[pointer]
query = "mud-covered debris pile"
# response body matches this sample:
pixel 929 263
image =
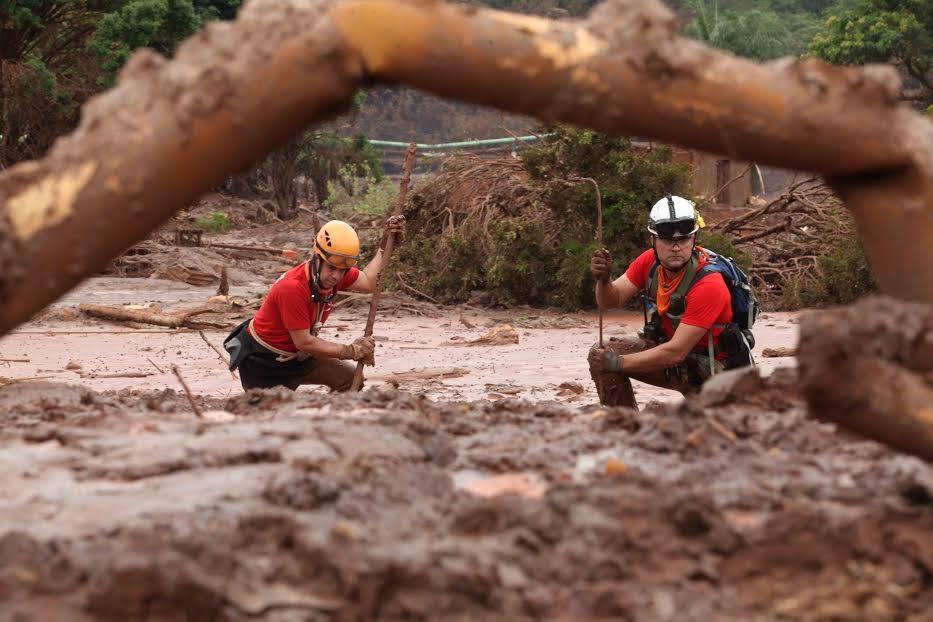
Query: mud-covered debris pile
pixel 124 506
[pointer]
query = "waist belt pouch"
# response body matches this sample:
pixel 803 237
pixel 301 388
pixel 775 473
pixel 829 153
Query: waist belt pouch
pixel 239 344
pixel 734 343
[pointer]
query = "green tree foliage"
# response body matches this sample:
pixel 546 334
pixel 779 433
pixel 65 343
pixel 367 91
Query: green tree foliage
pixel 54 54
pixel 870 31
pixel 158 24
pixel 45 71
pixel 756 31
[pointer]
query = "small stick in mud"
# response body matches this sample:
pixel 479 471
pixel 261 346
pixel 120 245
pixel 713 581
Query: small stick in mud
pixel 223 359
pixel 14 361
pixel 154 365
pixel 126 374
pixel 398 277
pixel 357 382
pixel 723 430
pixel 184 385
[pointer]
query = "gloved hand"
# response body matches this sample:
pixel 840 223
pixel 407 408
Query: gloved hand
pixel 612 361
pixel 601 265
pixel 363 350
pixel 603 360
pixel 395 225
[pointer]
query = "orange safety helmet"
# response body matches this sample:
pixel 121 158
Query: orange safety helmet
pixel 338 245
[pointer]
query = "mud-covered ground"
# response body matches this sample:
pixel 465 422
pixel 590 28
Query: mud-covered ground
pixel 124 506
pixel 491 487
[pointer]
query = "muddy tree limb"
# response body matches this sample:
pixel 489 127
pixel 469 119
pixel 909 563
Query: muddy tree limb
pixel 170 320
pixel 884 340
pixel 237 90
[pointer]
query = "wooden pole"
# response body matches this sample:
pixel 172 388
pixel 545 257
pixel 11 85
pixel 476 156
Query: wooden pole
pixel 599 241
pixel 357 383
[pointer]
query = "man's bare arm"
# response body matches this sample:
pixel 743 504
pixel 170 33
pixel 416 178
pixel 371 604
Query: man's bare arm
pixel 667 354
pixel 306 342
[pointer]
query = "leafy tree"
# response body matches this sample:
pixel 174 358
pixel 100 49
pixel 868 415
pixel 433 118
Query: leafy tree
pixel 45 71
pixel 158 24
pixel 217 9
pixel 757 33
pixel 872 31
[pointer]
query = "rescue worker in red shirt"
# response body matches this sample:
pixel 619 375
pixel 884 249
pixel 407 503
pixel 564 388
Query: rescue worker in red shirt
pixel 279 346
pixel 678 348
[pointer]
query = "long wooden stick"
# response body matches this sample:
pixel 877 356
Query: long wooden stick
pixel 599 240
pixel 357 383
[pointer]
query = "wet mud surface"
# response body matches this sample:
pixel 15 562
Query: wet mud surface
pixel 122 505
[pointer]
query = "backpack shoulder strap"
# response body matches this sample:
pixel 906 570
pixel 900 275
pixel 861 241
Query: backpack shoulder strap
pixel 651 287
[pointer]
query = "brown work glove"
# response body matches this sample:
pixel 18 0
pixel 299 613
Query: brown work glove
pixel 601 265
pixel 362 350
pixel 395 225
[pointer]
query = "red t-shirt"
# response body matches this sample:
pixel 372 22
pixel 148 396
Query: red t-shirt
pixel 708 301
pixel 288 306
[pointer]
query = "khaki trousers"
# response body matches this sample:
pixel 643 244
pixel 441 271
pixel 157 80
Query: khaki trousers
pixel 615 388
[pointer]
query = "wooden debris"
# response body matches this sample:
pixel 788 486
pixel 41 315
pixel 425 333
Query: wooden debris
pixel 126 374
pixel 500 335
pixel 122 314
pixel 156 366
pixel 223 289
pixel 779 352
pixel 722 430
pixel 223 359
pixel 430 373
pixel 14 360
pixel 184 385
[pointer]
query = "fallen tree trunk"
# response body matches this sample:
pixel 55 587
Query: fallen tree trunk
pixel 869 368
pixel 624 70
pixel 169 320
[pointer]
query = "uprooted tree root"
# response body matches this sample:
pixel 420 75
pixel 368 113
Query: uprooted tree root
pixel 459 218
pixel 801 245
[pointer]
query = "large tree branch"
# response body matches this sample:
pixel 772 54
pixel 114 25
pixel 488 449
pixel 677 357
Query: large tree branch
pixel 171 130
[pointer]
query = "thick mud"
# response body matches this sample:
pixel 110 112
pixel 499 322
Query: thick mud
pixel 387 505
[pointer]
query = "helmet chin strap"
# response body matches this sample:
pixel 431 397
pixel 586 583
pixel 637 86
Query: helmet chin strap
pixel 316 280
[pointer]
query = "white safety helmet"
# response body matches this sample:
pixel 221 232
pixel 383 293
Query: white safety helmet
pixel 673 218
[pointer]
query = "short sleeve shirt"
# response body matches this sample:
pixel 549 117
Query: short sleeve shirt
pixel 289 306
pixel 708 302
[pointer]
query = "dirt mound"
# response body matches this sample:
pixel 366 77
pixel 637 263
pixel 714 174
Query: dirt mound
pixel 358 506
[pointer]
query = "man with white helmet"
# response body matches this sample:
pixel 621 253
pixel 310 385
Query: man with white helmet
pixel 279 346
pixel 690 307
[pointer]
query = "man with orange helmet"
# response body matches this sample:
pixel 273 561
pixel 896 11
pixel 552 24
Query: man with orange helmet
pixel 279 346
